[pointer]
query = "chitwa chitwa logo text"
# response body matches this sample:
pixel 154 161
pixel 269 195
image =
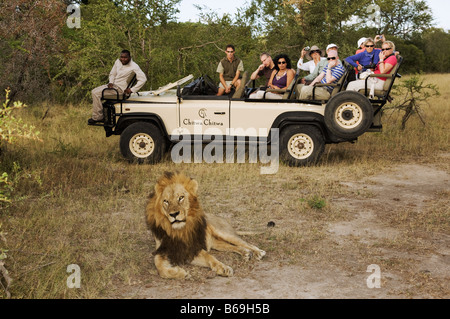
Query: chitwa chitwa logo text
pixel 204 120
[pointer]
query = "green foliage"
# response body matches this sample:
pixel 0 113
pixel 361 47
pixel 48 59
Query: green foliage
pixel 164 49
pixel 52 61
pixel 5 189
pixel 31 39
pixel 404 18
pixel 315 202
pixel 12 127
pixel 415 60
pixel 436 46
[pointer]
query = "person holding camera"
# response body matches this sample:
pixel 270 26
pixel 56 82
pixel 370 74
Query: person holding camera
pixel 367 59
pixel 386 61
pixel 330 74
pixel 314 55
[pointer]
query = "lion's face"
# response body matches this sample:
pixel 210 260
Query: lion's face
pixel 175 205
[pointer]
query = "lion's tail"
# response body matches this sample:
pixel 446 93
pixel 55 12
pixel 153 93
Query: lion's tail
pixel 249 233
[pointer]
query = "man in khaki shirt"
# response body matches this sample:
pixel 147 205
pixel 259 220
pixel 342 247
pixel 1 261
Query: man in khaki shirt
pixel 120 74
pixel 229 70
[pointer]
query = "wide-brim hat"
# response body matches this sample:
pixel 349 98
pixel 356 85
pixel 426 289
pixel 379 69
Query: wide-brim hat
pixel 314 48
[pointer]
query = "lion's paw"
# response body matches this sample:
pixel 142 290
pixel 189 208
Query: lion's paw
pixel 175 273
pixel 259 254
pixel 224 270
pixel 248 254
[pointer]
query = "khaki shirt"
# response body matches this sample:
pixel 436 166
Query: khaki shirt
pixel 229 69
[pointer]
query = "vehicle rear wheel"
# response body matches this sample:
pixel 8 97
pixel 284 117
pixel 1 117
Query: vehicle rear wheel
pixel 301 145
pixel 348 114
pixel 142 142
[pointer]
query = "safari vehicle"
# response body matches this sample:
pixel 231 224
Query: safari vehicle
pixel 149 122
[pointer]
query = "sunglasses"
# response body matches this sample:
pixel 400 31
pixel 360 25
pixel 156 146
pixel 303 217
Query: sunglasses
pixel 386 49
pixel 370 46
pixel 229 51
pixel 315 51
pixel 333 58
pixel 281 62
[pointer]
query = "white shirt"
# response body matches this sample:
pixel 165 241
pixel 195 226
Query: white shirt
pixel 120 75
pixel 308 66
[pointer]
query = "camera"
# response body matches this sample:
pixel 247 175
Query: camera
pixel 370 66
pixel 307 48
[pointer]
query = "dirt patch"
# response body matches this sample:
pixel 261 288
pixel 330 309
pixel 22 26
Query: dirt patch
pixel 390 226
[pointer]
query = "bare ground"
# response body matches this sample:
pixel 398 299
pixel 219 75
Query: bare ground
pixel 387 228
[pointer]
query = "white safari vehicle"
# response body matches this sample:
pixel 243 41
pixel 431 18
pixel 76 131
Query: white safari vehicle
pixel 149 122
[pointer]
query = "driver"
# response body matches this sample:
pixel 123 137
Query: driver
pixel 123 68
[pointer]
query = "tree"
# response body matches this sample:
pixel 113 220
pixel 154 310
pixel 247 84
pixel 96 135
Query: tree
pixel 31 38
pixel 323 21
pixel 404 18
pixel 108 27
pixel 415 60
pixel 436 45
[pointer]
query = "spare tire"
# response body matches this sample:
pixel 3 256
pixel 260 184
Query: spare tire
pixel 348 114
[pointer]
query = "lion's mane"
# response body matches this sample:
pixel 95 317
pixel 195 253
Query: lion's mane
pixel 179 245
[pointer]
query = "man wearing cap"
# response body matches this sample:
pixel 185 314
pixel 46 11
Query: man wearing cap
pixel 331 73
pixel 318 69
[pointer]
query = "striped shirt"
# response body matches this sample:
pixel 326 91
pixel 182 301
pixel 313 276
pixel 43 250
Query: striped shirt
pixel 337 72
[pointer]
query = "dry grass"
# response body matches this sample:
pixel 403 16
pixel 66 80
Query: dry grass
pixel 77 201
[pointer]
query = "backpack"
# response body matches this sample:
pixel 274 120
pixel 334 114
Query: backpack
pixel 203 85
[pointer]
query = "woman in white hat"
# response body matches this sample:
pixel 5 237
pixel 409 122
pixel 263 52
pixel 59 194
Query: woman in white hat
pixel 386 61
pixel 361 46
pixel 314 55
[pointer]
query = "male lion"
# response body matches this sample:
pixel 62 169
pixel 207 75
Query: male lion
pixel 185 234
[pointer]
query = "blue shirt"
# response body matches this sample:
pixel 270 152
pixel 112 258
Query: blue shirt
pixel 337 72
pixel 364 58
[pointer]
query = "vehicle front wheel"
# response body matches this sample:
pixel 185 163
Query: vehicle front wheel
pixel 301 145
pixel 142 142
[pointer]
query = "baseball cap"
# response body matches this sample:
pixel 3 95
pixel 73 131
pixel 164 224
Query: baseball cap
pixel 361 41
pixel 332 45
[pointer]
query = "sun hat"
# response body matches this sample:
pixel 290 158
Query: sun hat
pixel 361 41
pixel 313 48
pixel 332 45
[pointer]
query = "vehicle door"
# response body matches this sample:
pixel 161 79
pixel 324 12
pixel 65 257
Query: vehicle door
pixel 204 115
